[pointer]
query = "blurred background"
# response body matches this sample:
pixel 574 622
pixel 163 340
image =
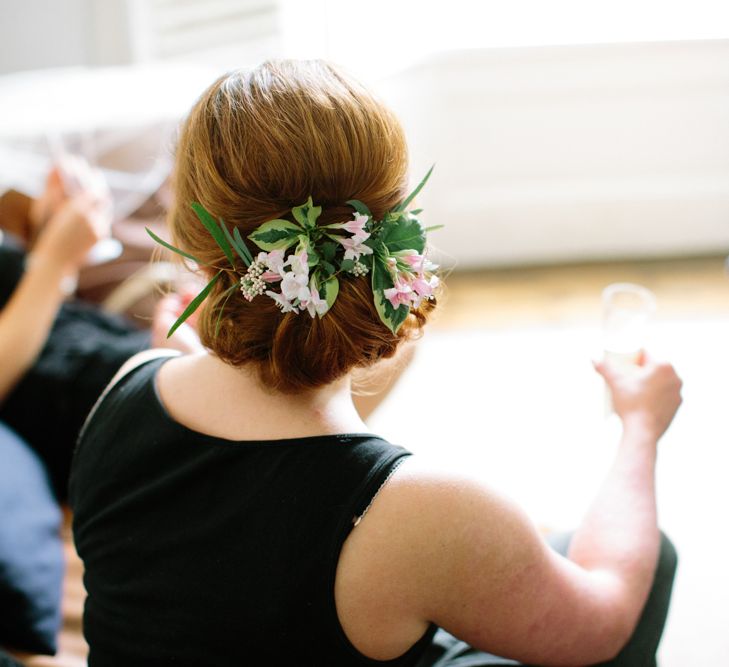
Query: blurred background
pixel 580 130
pixel 577 143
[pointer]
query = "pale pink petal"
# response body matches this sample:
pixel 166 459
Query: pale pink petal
pixel 275 261
pixel 281 302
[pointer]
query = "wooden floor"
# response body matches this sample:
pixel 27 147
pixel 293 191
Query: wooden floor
pixel 571 294
pixel 499 298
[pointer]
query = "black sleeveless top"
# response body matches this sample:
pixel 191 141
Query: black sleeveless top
pixel 204 551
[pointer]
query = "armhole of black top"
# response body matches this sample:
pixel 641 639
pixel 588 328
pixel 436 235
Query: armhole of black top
pixel 127 369
pixel 364 498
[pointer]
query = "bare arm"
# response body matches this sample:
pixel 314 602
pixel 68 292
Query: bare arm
pixel 26 320
pixel 619 534
pixel 446 549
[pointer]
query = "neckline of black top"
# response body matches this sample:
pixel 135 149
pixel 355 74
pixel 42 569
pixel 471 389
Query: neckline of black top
pixel 327 438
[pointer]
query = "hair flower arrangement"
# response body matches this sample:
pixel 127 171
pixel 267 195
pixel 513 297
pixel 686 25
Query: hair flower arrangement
pixel 391 250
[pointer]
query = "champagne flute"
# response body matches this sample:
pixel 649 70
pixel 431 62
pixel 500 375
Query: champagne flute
pixel 627 310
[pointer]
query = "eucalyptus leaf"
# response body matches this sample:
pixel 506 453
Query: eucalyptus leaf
pixel 415 192
pixel 195 303
pixel 275 235
pixel 209 222
pixel 327 268
pixel 328 250
pixel 164 243
pixel 347 265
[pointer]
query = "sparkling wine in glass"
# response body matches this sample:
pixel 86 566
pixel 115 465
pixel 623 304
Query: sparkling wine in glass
pixel 627 311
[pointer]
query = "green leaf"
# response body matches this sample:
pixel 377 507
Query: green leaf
pixel 415 192
pixel 164 243
pixel 328 250
pixel 327 268
pixel 243 252
pixel 360 207
pixel 432 228
pixel 329 290
pixel 306 214
pixel 381 278
pixel 209 222
pixel 311 254
pixel 195 303
pixel 347 265
pixel 405 234
pixel 275 235
pixel 221 308
pixel 416 211
pixel 392 216
pixel 391 317
pixel 242 245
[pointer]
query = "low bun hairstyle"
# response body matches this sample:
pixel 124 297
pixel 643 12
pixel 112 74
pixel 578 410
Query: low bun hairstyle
pixel 256 144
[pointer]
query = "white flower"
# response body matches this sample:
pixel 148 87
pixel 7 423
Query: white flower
pixel 354 247
pixel 285 305
pixel 295 286
pixel 274 261
pixel 299 263
pixel 315 305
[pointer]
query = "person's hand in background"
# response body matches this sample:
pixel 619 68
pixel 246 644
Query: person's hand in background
pixel 78 224
pixel 77 204
pixel 185 338
pixel 79 219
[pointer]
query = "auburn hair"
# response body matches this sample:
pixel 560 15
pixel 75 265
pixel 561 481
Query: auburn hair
pixel 256 144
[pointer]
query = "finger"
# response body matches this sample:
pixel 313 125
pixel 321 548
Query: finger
pixel 69 169
pixel 601 368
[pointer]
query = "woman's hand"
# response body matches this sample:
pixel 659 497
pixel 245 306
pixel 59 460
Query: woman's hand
pixel 78 223
pixel 72 214
pixel 645 398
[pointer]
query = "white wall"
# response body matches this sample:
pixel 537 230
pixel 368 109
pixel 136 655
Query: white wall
pixel 44 33
pixel 572 153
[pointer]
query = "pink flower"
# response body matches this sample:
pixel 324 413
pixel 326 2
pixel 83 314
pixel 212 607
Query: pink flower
pixel 414 260
pixel 274 261
pixel 271 277
pixel 355 226
pixel 424 288
pixel 418 263
pixel 401 294
pixel 354 247
pixel 315 305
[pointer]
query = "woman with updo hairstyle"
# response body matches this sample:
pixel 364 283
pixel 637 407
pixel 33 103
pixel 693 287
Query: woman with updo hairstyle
pixel 232 508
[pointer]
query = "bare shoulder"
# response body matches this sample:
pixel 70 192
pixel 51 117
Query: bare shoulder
pixel 440 546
